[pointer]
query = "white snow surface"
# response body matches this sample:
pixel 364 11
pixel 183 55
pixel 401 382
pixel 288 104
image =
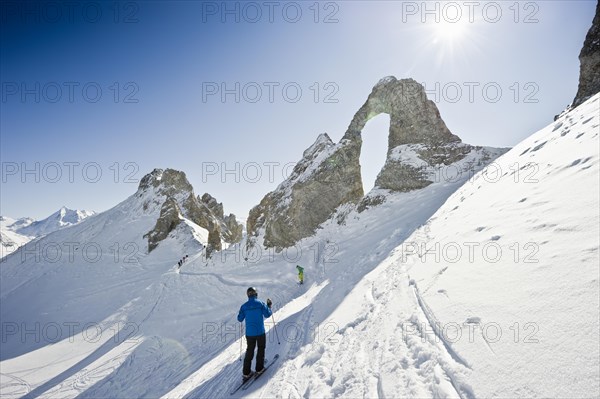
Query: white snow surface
pixel 522 306
pixel 378 316
pixel 10 240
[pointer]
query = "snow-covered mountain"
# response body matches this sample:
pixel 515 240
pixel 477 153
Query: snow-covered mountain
pixel 384 312
pixel 481 280
pixel 471 304
pixel 9 223
pixel 62 218
pixel 154 324
pixel 10 240
pixel 528 289
pixel 14 233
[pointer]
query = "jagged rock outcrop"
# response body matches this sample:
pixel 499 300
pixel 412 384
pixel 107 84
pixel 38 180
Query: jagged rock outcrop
pixel 211 202
pixel 324 178
pixel 328 175
pixel 233 231
pixel 172 188
pixel 589 58
pixel 167 221
pixel 413 120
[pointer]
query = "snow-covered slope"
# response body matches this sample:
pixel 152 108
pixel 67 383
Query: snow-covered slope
pixel 379 315
pixel 479 303
pixel 10 240
pixel 9 223
pixel 127 318
pixel 430 321
pixel 529 290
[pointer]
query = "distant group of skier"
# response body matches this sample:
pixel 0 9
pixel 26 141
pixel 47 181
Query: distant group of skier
pixel 253 312
pixel 181 261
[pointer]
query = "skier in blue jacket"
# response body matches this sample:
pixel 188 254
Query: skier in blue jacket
pixel 254 312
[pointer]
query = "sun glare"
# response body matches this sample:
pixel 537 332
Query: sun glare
pixel 451 41
pixel 450 31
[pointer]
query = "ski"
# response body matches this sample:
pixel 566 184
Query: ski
pixel 257 376
pixel 244 384
pixel 237 388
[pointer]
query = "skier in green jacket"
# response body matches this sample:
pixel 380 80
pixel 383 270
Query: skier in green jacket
pixel 300 274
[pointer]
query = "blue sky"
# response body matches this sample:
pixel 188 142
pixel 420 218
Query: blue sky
pixel 97 94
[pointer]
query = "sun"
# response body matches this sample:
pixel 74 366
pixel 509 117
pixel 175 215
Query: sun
pixel 450 32
pixel 451 41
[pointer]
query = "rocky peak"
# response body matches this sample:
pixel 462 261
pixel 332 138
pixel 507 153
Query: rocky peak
pixel 168 182
pixel 413 118
pixel 323 179
pixel 589 58
pixel 322 142
pixel 175 195
pixel 212 204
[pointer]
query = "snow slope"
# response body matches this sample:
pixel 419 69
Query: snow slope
pixel 456 325
pixel 529 293
pixel 10 240
pixel 142 330
pixel 379 315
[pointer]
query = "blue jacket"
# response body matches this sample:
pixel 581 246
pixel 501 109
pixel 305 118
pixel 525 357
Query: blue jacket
pixel 253 312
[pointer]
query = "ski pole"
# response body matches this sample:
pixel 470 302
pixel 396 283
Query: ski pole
pixel 275 327
pixel 240 342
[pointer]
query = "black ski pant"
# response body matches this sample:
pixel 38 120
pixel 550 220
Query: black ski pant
pixel 261 341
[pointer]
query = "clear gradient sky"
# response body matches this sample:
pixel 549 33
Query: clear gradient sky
pixel 96 94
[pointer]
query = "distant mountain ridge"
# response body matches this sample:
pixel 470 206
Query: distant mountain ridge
pixel 16 232
pixel 62 218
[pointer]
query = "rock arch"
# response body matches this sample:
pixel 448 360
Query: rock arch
pixel 413 120
pixel 328 175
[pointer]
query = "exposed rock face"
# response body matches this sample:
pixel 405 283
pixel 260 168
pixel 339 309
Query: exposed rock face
pixel 215 207
pixel 230 229
pixel 178 202
pixel 167 222
pixel 233 231
pixel 328 175
pixel 589 72
pixel 413 120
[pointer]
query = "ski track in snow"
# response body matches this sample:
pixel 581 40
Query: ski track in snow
pixel 389 360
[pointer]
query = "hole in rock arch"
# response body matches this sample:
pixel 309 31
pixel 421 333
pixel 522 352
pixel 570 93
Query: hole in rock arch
pixel 374 149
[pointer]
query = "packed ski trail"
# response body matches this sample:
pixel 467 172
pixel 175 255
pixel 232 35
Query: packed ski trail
pixel 318 329
pixel 405 360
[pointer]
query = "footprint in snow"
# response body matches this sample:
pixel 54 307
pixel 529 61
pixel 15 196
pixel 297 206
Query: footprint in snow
pixel 537 147
pixel 587 120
